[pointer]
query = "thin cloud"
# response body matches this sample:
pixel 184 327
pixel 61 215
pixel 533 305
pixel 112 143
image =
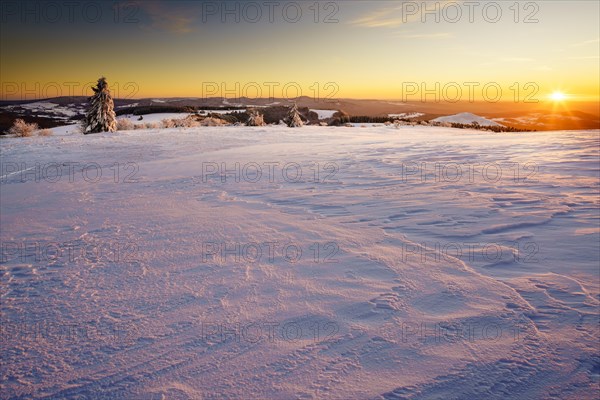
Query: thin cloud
pixel 585 58
pixel 427 35
pixel 394 16
pixel 167 17
pixel 517 59
pixel 379 23
pixel 380 18
pixel 586 42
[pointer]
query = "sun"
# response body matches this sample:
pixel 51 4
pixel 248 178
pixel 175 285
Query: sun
pixel 558 96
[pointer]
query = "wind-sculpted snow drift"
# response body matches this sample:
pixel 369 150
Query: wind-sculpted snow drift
pixel 312 263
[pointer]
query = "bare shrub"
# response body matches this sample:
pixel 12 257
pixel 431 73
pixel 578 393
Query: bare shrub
pixel 44 132
pixel 179 122
pixel 188 122
pixel 212 122
pixel 21 128
pixel 124 125
pixel 167 123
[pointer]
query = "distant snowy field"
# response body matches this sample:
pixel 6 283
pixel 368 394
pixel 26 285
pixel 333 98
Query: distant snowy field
pixel 324 114
pixel 359 263
pixel 467 118
pixel 47 107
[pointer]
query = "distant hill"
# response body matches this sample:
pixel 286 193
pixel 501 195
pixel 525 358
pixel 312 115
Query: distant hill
pixel 467 118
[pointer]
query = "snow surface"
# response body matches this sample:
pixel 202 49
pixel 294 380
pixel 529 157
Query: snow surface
pixel 169 298
pixel 66 130
pixel 467 118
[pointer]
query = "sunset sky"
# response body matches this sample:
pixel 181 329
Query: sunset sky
pixel 368 49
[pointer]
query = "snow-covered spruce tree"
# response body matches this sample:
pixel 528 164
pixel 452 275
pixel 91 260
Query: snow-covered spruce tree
pixel 255 119
pixel 100 115
pixel 293 119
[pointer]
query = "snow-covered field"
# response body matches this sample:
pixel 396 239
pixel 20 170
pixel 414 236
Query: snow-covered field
pixel 359 263
pixel 44 108
pixel 156 117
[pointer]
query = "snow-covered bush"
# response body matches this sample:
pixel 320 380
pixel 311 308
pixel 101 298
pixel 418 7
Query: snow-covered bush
pixel 293 119
pixel 21 128
pixel 398 123
pixel 339 118
pixel 255 119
